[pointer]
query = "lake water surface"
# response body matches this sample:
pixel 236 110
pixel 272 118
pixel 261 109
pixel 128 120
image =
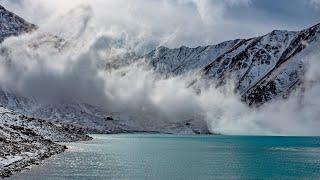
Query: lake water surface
pixel 145 156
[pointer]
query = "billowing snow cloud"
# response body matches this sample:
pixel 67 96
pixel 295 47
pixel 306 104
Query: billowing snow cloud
pixel 99 31
pixel 176 22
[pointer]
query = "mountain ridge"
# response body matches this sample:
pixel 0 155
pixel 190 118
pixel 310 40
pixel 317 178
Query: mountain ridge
pixel 246 56
pixel 263 68
pixel 13 25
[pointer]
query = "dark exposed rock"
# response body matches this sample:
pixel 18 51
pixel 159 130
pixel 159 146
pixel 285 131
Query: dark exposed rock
pixel 13 25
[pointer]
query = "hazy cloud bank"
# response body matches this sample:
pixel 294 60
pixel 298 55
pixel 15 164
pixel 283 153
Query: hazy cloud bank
pixel 97 32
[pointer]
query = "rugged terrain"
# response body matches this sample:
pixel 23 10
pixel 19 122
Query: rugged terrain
pixel 25 140
pixel 262 68
pixel 12 25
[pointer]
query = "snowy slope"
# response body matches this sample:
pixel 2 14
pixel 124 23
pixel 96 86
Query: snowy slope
pixel 268 66
pixel 263 67
pixel 182 60
pixel 25 140
pixel 11 24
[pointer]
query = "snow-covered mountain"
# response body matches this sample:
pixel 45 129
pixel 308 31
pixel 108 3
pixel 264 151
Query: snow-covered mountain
pixel 26 140
pixel 12 25
pixel 182 60
pixel 263 67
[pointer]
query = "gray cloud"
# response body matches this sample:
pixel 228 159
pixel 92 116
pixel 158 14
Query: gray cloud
pixel 177 22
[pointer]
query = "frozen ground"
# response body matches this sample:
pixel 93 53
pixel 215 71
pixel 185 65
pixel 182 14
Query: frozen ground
pixel 25 141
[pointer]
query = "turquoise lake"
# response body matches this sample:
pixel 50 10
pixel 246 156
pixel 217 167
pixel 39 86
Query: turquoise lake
pixel 155 156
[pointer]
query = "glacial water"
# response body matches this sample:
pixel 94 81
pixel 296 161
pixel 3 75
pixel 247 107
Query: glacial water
pixel 145 156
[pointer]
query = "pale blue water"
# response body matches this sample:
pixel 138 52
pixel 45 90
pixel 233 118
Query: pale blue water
pixel 183 157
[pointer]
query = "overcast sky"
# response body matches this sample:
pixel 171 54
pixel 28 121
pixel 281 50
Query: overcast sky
pixel 180 22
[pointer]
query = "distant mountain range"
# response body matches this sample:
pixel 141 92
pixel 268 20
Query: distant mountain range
pixel 263 68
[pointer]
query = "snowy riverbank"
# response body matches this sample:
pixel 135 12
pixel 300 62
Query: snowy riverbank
pixel 25 141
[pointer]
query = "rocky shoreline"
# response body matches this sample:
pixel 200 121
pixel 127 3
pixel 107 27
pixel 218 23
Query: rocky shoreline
pixel 26 141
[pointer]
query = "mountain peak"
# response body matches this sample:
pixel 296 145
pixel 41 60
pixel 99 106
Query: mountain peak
pixel 13 25
pixel 264 67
